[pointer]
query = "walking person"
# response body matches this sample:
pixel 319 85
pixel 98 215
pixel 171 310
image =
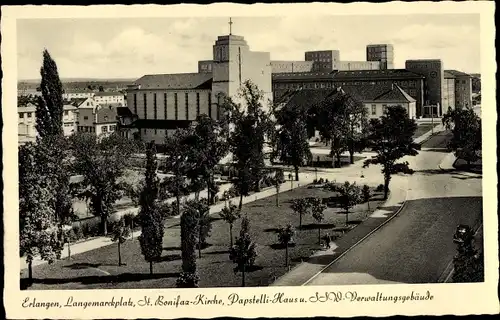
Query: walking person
pixel 328 240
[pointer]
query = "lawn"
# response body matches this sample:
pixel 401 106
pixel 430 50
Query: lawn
pixel 424 128
pixel 98 268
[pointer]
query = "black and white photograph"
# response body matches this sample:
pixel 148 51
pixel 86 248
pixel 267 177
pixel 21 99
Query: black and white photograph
pixel 234 151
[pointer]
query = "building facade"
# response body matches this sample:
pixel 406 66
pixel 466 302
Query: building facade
pixel 382 53
pixel 205 66
pixel 432 70
pixel 291 66
pixel 358 65
pixel 410 82
pixel 27 122
pixel 323 60
pixel 98 119
pixel 448 91
pixel 69 94
pixel 109 97
pixel 463 88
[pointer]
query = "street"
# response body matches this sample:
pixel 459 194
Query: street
pixel 416 246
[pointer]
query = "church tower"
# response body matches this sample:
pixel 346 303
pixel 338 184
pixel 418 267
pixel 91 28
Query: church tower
pixel 234 63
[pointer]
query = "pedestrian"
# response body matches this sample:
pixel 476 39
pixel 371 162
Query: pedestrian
pixel 328 240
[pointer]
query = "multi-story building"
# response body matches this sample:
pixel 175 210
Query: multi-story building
pixel 383 53
pixel 448 91
pixel 164 102
pixel 27 121
pixel 98 119
pixel 323 60
pixel 205 66
pixel 109 97
pixel 69 94
pixel 463 88
pixel 432 70
pixel 410 82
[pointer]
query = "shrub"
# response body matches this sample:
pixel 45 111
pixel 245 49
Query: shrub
pixel 188 280
pixel 321 181
pixel 315 181
pixel 78 232
pixel 326 180
pixel 380 188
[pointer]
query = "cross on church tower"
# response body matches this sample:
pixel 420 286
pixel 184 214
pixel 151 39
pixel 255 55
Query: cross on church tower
pixel 230 26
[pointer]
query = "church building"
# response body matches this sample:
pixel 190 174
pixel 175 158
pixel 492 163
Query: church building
pixel 165 102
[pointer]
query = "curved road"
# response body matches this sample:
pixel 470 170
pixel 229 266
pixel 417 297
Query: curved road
pixel 416 246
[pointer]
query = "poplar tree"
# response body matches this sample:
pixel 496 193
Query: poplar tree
pixel 49 110
pixel 189 223
pixel 243 252
pixel 151 215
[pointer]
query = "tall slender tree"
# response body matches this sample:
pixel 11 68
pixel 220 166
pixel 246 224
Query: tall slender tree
pixel 49 110
pixel 151 215
pixel 285 236
pixel 189 222
pixel 392 138
pixel 120 234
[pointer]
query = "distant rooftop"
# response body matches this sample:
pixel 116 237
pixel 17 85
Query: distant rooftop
pixel 108 94
pixel 457 73
pixel 175 81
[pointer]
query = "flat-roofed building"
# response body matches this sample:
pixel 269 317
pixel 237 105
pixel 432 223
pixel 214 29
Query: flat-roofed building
pixel 383 53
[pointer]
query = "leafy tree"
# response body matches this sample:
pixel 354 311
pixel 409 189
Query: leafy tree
pixel 120 234
pixel 278 179
pixel 248 138
pixel 151 215
pixel 317 208
pixel 101 163
pixel 189 223
pixel 357 126
pixel 332 123
pixel 465 125
pixel 207 147
pixel 366 194
pixel 101 89
pixel 49 110
pixel 38 224
pixel 392 139
pixel 285 236
pixel 243 252
pixel 290 141
pixel 468 262
pixel 350 196
pixel 176 162
pixel 230 214
pixel 301 206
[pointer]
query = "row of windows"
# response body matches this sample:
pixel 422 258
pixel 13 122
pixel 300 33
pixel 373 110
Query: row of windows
pixel 21 114
pixel 176 106
pixel 322 85
pixel 85 129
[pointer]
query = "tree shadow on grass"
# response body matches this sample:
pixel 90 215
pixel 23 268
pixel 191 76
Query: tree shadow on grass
pixel 204 246
pixel 169 257
pixel 217 252
pixel 280 246
pixel 124 277
pixel 315 226
pixel 171 248
pixel 271 230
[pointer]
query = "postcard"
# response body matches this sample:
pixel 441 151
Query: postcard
pixel 261 160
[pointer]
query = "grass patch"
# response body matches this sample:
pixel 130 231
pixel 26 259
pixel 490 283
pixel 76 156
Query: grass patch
pixel 99 268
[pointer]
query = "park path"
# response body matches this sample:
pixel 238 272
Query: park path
pixel 353 173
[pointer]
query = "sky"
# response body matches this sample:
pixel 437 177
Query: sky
pixel 132 47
